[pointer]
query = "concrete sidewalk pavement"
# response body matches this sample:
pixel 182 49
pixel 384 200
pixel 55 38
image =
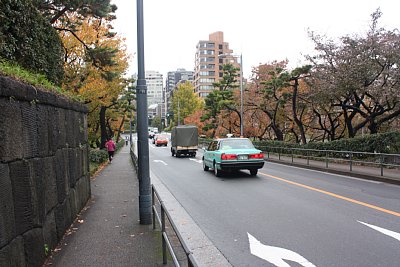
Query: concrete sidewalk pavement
pixel 108 231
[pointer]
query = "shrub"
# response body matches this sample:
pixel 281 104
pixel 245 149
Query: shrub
pixel 374 143
pixel 29 40
pixel 98 155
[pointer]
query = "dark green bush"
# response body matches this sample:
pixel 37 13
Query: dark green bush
pixel 98 155
pixel 101 155
pixel 375 143
pixel 29 40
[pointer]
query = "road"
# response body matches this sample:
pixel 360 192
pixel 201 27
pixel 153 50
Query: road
pixel 287 216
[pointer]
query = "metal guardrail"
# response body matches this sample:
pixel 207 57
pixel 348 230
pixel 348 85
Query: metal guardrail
pixel 165 240
pixel 378 160
pixel 161 219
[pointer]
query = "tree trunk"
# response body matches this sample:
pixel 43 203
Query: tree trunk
pixel 103 126
pixel 298 122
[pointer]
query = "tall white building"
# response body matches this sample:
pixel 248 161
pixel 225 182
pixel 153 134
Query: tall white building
pixel 154 84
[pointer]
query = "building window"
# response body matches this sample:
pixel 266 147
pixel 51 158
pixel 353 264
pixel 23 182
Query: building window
pixel 206 87
pixel 207 80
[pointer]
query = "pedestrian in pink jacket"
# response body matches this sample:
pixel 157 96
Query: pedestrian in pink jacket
pixel 110 145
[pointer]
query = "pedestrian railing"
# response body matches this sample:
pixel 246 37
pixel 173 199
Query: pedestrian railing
pixel 378 160
pixel 162 218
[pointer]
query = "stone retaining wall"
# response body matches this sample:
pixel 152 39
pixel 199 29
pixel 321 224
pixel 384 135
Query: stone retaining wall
pixel 44 170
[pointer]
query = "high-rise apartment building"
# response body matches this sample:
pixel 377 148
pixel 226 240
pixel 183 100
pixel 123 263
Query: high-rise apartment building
pixel 173 79
pixel 211 54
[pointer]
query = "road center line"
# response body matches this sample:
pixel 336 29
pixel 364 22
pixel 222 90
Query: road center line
pixel 335 195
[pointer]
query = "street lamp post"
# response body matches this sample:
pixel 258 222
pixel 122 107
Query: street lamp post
pixel 145 199
pixel 241 95
pixel 241 87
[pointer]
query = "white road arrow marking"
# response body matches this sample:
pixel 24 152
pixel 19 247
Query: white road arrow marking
pixel 197 160
pixel 276 255
pixel 157 160
pixel 383 230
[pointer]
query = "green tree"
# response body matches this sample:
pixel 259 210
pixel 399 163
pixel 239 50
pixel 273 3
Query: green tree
pixel 185 102
pixel 57 10
pixel 29 40
pixel 221 101
pixel 67 16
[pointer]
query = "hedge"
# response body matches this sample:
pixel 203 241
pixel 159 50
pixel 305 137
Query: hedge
pixel 377 143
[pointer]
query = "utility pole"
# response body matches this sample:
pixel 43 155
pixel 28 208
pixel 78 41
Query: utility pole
pixel 145 201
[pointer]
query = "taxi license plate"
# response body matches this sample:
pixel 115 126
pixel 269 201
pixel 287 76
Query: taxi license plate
pixel 242 157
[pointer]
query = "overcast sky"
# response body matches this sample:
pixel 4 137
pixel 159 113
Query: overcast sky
pixel 262 30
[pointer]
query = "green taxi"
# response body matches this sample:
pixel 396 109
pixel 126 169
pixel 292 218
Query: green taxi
pixel 229 154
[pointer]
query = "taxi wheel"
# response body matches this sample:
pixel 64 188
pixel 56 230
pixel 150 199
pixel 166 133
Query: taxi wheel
pixel 205 167
pixel 253 172
pixel 217 172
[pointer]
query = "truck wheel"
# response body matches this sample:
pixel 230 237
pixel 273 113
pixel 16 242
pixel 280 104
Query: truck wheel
pixel 217 172
pixel 205 167
pixel 194 154
pixel 253 172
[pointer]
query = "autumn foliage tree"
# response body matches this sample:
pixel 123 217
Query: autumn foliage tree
pixel 360 75
pixel 100 85
pixel 185 102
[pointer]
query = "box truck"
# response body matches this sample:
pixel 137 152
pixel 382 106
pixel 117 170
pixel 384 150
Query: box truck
pixel 184 140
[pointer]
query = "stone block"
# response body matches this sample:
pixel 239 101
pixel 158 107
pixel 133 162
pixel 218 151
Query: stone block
pixel 13 254
pixel 52 129
pixel 50 184
pixel 11 145
pixel 72 165
pixel 61 176
pixel 29 130
pixel 73 202
pixel 42 119
pixel 38 191
pixel 21 181
pixel 61 130
pixel 7 220
pixel 34 247
pixel 50 230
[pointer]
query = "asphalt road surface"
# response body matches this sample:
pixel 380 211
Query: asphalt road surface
pixel 287 216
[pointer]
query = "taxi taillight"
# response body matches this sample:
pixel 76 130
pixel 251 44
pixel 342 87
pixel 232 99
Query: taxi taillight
pixel 228 156
pixel 256 156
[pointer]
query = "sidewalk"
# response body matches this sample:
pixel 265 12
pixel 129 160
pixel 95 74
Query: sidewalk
pixel 365 172
pixel 108 232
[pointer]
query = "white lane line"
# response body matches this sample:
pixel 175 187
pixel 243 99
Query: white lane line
pixel 197 160
pixel 328 173
pixel 160 161
pixel 383 230
pixel 276 255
